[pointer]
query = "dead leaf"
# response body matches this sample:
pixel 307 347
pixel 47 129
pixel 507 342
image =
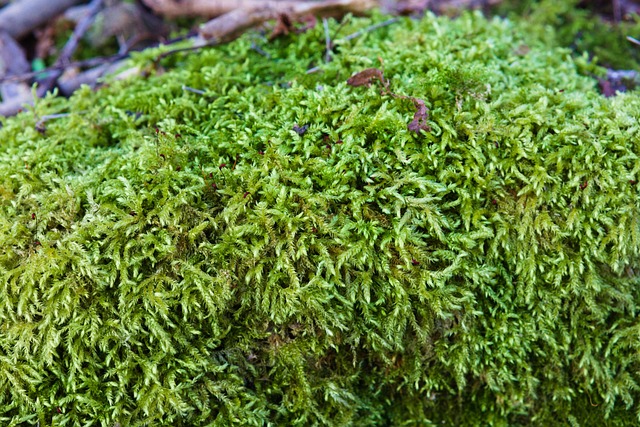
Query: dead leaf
pixel 283 26
pixel 365 77
pixel 420 117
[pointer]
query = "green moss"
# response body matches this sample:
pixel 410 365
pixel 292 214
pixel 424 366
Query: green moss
pixel 581 30
pixel 171 258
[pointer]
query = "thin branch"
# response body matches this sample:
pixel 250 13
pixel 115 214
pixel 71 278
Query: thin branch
pixel 86 63
pixel 193 90
pixel 633 40
pixel 71 46
pixel 215 8
pixel 370 29
pixel 82 27
pixel 230 25
pixel 89 77
pixel 254 46
pixel 198 43
pixel 358 34
pixel 327 40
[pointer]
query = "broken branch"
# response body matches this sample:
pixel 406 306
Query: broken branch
pixel 232 24
pixel 209 8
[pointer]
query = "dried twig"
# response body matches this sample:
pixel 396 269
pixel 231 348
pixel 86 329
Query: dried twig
pixel 86 63
pixel 70 47
pixel 82 27
pixel 91 77
pixel 370 28
pixel 633 40
pixel 193 90
pixel 67 86
pixel 214 8
pixel 232 24
pixel 327 40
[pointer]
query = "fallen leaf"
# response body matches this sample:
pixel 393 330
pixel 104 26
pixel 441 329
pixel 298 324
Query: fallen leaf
pixel 365 77
pixel 420 117
pixel 283 26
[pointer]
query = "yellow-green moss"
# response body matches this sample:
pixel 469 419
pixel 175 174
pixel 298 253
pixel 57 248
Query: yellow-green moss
pixel 171 258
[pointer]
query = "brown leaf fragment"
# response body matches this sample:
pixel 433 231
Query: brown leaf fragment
pixel 284 26
pixel 365 77
pixel 420 117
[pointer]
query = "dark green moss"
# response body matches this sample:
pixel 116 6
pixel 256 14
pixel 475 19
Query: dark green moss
pixel 171 258
pixel 578 25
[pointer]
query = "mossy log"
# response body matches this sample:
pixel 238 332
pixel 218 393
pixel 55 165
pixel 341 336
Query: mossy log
pixel 235 241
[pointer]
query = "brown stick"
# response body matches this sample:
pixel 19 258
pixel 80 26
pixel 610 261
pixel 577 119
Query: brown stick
pixel 23 16
pixel 203 8
pixel 232 24
pixel 90 77
pixel 213 8
pixel 81 28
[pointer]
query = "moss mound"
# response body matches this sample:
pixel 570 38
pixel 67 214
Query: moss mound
pixel 283 249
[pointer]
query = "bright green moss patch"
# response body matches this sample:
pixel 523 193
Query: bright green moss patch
pixel 227 268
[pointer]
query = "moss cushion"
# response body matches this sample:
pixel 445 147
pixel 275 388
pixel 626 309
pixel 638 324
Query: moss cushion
pixel 233 240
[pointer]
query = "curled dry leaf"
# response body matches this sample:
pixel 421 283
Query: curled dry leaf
pixel 366 77
pixel 420 117
pixel 284 25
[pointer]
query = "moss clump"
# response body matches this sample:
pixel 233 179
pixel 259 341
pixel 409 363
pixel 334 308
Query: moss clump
pixel 582 30
pixel 283 249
